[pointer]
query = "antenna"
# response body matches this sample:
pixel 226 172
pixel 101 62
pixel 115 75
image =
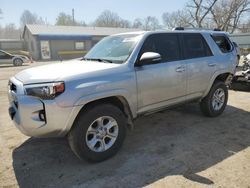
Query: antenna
pixel 73 16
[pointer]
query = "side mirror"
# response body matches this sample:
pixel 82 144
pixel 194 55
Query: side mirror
pixel 150 58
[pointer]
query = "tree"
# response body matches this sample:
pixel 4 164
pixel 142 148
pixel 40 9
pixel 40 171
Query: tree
pixel 245 28
pixel 199 11
pixel 30 18
pixel 227 14
pixel 148 23
pixel 10 31
pixel 1 12
pixel 137 23
pixel 110 19
pixel 124 23
pixel 151 23
pixel 178 18
pixel 66 19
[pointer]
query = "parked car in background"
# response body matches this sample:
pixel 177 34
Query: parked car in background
pixel 93 99
pixel 16 60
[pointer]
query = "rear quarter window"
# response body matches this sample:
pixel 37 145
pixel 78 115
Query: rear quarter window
pixel 223 43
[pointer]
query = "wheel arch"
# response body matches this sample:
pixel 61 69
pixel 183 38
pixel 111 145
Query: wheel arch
pixel 118 101
pixel 223 76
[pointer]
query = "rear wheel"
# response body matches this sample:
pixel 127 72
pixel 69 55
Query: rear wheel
pixel 215 102
pixel 98 132
pixel 18 62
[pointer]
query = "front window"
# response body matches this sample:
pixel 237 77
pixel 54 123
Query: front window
pixel 4 55
pixel 115 49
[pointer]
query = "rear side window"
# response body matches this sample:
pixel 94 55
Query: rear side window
pixel 195 46
pixel 223 43
pixel 167 45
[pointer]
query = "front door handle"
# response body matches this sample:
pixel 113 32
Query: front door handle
pixel 211 64
pixel 180 69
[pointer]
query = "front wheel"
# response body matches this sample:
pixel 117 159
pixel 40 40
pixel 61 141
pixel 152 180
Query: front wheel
pixel 215 102
pixel 18 62
pixel 98 132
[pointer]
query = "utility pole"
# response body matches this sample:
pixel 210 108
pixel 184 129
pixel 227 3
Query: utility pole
pixel 73 16
pixel 1 12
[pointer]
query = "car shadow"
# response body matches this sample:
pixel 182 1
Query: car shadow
pixel 240 86
pixel 174 142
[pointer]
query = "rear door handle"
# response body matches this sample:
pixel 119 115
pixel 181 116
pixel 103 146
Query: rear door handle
pixel 180 69
pixel 211 64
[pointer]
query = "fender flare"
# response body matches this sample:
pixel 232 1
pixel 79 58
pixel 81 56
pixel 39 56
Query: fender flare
pixel 215 75
pixel 106 94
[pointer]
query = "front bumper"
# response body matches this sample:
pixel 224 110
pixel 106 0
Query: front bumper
pixel 36 117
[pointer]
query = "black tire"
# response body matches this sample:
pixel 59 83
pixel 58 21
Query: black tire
pixel 18 62
pixel 77 135
pixel 206 103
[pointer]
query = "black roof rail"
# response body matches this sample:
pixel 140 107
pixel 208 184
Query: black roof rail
pixel 190 28
pixel 217 29
pixel 178 29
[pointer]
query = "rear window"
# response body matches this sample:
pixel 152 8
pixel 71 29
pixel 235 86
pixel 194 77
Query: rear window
pixel 223 43
pixel 195 46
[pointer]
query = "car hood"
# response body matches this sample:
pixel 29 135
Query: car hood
pixel 61 71
pixel 21 56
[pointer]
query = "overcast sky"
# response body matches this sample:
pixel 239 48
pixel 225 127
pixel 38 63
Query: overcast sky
pixel 86 10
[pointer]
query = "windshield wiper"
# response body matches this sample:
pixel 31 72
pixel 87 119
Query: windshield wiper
pixel 97 59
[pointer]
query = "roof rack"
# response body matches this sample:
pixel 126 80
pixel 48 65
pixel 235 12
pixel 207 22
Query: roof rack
pixel 188 28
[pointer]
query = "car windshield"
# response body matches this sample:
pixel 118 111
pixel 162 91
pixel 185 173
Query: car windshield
pixel 113 49
pixel 4 52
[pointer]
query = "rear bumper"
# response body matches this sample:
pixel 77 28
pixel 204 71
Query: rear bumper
pixel 38 118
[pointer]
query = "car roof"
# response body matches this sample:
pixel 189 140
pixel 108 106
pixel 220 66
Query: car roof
pixel 174 31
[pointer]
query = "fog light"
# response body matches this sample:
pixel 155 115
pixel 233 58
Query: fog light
pixel 42 116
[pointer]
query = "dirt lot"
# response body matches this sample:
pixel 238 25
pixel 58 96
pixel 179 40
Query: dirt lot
pixel 174 148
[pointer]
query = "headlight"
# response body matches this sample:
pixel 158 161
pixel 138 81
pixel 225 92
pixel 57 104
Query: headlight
pixel 45 91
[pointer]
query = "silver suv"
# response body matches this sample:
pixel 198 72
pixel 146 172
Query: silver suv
pixel 93 100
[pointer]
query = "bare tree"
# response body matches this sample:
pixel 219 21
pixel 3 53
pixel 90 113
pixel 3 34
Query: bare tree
pixel 245 28
pixel 151 23
pixel 66 19
pixel 178 18
pixel 10 31
pixel 1 13
pixel 137 23
pixel 124 23
pixel 148 23
pixel 199 11
pixel 227 14
pixel 195 14
pixel 30 18
pixel 110 19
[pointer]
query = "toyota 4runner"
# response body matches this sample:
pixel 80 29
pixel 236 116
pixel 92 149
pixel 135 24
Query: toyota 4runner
pixel 93 100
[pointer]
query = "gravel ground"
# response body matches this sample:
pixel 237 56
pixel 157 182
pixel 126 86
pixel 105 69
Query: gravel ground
pixel 174 148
